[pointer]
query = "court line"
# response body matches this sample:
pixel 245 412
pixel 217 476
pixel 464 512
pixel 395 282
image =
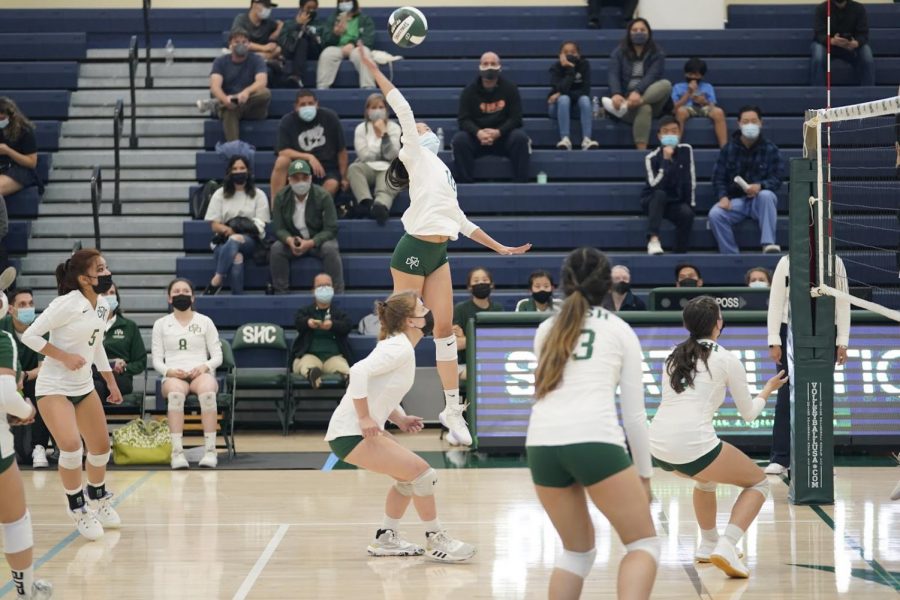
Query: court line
pixel 261 562
pixel 691 570
pixel 61 545
pixel 330 462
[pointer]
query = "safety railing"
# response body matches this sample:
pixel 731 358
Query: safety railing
pixel 96 201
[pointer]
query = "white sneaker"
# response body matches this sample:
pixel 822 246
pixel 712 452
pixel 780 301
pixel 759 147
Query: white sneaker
pixel 40 590
pixel 179 461
pixel 705 549
pixel 209 460
pixel 727 558
pixel 895 495
pixel 771 249
pixel 775 469
pixel 654 248
pixel 388 543
pixel 452 419
pixel 86 523
pixel 608 106
pixel 208 105
pixel 105 513
pixel 589 144
pixel 441 547
pixel 39 458
pixel 565 143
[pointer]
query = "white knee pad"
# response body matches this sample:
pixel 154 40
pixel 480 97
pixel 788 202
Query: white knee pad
pixel 445 348
pixel 762 487
pixel 423 485
pixel 71 460
pixel 17 536
pixel 404 488
pixel 579 563
pixel 709 486
pixel 176 402
pixel 207 401
pixel 649 545
pixel 98 460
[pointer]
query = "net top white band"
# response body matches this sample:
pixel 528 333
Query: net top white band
pixel 876 108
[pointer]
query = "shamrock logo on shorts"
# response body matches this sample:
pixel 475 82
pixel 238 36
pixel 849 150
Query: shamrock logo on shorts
pixel 412 262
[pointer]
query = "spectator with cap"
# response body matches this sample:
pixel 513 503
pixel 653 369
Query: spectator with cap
pixel 758 277
pixel 301 39
pixel 322 346
pixel 305 224
pixel 688 275
pixel 620 297
pixel 348 33
pixel 697 98
pixel 849 41
pixel 262 30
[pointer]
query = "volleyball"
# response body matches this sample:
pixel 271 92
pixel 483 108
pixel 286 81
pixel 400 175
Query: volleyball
pixel 407 26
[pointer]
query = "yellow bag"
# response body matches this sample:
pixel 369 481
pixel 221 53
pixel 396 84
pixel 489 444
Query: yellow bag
pixel 142 443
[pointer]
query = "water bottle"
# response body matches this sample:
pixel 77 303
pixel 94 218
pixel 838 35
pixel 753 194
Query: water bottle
pixel 595 105
pixel 440 134
pixel 170 53
pixel 542 178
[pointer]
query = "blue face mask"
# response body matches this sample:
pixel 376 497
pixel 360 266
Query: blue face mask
pixel 25 315
pixel 4 123
pixel 345 6
pixel 307 113
pixel 669 140
pixel 430 141
pixel 750 131
pixel 113 303
pixel 324 294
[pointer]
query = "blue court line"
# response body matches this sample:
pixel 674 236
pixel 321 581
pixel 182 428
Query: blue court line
pixel 60 546
pixel 330 462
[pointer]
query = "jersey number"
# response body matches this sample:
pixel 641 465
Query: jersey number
pixel 182 344
pixel 585 348
pixel 93 337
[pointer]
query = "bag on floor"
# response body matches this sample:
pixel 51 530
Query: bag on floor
pixel 142 443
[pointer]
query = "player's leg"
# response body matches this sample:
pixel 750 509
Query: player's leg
pixel 206 387
pixel 175 391
pixel 567 509
pixel 705 508
pixel 18 540
pixel 92 426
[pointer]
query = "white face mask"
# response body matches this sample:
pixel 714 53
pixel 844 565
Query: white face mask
pixel 376 114
pixel 345 6
pixel 301 188
pixel 430 141
pixel 759 284
pixel 4 123
pixel 265 13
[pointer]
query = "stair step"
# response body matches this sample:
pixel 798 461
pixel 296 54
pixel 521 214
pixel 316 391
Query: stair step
pixel 123 226
pixel 84 175
pixel 121 261
pixel 171 244
pixel 160 71
pixel 176 110
pixel 145 281
pixel 119 83
pixel 83 208
pixel 155 53
pixel 152 97
pixel 145 127
pixel 78 143
pixel 142 159
pixel 130 192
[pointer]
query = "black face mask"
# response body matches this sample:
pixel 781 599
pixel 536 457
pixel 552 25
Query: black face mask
pixel 689 282
pixel 239 178
pixel 542 296
pixel 490 74
pixel 182 302
pixel 481 290
pixel 622 287
pixel 428 327
pixel 312 15
pixel 572 58
pixel 104 282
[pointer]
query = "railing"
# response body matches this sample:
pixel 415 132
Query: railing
pixel 148 81
pixel 132 73
pixel 118 120
pixel 96 201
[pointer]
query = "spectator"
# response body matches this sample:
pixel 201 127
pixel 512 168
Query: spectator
pixel 346 27
pixel 238 212
pixel 758 277
pixel 370 324
pixel 300 40
pixel 262 31
pixel 124 348
pixel 849 41
pixel 21 315
pixel 377 142
pixel 638 90
pixel 620 297
pixel 305 223
pixel 697 98
pixel 238 85
pixel 186 352
pixel 18 150
pixel 490 122
pixel 4 229
pixel 759 163
pixel 314 134
pixel 479 283
pixel 669 192
pixel 541 300
pixel 688 275
pixel 322 346
pixel 595 10
pixel 570 83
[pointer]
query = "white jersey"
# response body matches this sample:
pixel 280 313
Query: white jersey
pixel 11 403
pixel 433 206
pixel 75 327
pixel 175 346
pixel 583 407
pixel 682 430
pixel 383 378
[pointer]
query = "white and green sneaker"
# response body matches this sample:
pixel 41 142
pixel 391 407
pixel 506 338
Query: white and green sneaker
pixel 441 547
pixel 388 543
pixel 40 590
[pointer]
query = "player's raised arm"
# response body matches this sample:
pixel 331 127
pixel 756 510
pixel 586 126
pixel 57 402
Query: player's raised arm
pixel 384 84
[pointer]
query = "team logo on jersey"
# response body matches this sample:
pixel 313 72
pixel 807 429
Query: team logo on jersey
pixel 194 328
pixel 412 262
pixel 311 139
pixel 118 334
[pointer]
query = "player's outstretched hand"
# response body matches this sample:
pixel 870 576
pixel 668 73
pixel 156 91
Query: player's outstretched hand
pixel 509 250
pixel 776 382
pixel 366 57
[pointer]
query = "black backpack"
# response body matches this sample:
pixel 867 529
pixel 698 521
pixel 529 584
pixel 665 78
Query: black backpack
pixel 200 198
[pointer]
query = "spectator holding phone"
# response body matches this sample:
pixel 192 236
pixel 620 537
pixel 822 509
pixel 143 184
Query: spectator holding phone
pixel 849 41
pixel 322 346
pixel 301 39
pixel 697 98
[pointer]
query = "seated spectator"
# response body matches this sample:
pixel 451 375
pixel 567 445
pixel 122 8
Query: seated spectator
pixel 758 277
pixel 4 230
pixel 541 300
pixel 314 134
pixel 262 31
pixel 238 86
pixel 238 212
pixel 697 98
pixel 688 275
pixel 124 348
pixel 490 122
pixel 305 224
pixel 752 157
pixel 479 283
pixel 322 346
pixel 377 142
pixel 347 26
pixel 370 324
pixel 570 83
pixel 669 192
pixel 637 89
pixel 620 297
pixel 186 352
pixel 849 41
pixel 595 10
pixel 300 40
pixel 18 150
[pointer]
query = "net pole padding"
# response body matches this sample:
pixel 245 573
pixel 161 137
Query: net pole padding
pixel 876 108
pixel 817 206
pixel 827 290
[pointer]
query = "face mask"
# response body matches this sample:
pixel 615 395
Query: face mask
pixel 4 123
pixel 430 141
pixel 238 178
pixel 25 315
pixel 302 188
pixel 182 302
pixel 689 282
pixel 113 303
pixel 377 113
pixel 489 73
pixel 345 6
pixel 750 131
pixel 312 15
pixel 542 296
pixel 621 287
pixel 572 58
pixel 481 290
pixel 669 139
pixel 265 13
pixel 307 113
pixel 759 284
pixel 428 327
pixel 324 294
pixel 241 49
pixel 104 282
pixel 640 38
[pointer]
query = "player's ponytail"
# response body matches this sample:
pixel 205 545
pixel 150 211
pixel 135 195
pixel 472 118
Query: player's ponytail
pixel 700 317
pixel 585 281
pixel 393 312
pixel 397 175
pixel 78 264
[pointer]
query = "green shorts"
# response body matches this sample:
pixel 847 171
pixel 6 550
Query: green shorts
pixel 695 466
pixel 76 400
pixel 586 463
pixel 418 257
pixel 6 463
pixel 344 445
